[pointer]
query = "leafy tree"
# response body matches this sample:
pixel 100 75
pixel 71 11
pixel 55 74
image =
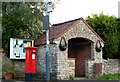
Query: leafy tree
pixel 118 20
pixel 107 27
pixel 21 20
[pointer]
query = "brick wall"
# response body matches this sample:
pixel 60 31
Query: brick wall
pixel 89 68
pixel 111 66
pixel 41 61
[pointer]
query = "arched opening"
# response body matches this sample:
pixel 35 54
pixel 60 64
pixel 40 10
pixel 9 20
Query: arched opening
pixel 80 49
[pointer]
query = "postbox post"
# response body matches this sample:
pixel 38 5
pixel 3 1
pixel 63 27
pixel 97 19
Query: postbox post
pixel 30 63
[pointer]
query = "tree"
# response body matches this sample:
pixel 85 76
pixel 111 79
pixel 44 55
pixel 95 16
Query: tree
pixel 21 20
pixel 106 26
pixel 118 20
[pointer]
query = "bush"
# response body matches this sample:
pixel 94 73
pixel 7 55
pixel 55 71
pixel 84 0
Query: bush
pixel 107 27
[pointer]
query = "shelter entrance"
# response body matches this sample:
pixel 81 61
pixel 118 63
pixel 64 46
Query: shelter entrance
pixel 80 49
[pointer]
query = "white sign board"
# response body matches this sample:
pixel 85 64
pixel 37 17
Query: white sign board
pixel 17 46
pixel 33 56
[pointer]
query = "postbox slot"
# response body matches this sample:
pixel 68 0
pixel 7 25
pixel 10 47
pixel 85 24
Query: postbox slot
pixel 33 52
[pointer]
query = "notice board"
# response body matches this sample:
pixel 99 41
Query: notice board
pixel 17 46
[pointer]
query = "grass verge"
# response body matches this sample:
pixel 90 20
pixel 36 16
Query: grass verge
pixel 109 77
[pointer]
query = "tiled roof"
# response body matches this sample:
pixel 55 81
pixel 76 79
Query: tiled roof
pixel 58 29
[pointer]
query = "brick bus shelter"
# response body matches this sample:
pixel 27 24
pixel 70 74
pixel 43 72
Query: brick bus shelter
pixel 75 49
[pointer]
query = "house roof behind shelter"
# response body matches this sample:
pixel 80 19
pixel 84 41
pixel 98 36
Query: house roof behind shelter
pixel 58 29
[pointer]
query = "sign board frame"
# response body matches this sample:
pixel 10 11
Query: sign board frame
pixel 46 22
pixel 17 46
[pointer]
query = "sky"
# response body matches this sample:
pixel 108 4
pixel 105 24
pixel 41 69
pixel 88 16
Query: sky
pixel 72 9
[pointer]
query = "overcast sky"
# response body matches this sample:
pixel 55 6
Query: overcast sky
pixel 71 9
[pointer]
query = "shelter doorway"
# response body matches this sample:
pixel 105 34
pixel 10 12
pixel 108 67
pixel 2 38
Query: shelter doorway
pixel 80 49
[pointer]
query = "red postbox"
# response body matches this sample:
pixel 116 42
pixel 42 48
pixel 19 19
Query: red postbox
pixel 30 63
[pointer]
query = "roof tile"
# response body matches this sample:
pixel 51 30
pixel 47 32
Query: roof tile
pixel 58 29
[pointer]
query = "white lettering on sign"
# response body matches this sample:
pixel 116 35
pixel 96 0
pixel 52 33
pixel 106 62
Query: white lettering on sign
pixel 33 56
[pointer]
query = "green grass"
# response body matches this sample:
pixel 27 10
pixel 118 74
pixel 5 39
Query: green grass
pixel 109 77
